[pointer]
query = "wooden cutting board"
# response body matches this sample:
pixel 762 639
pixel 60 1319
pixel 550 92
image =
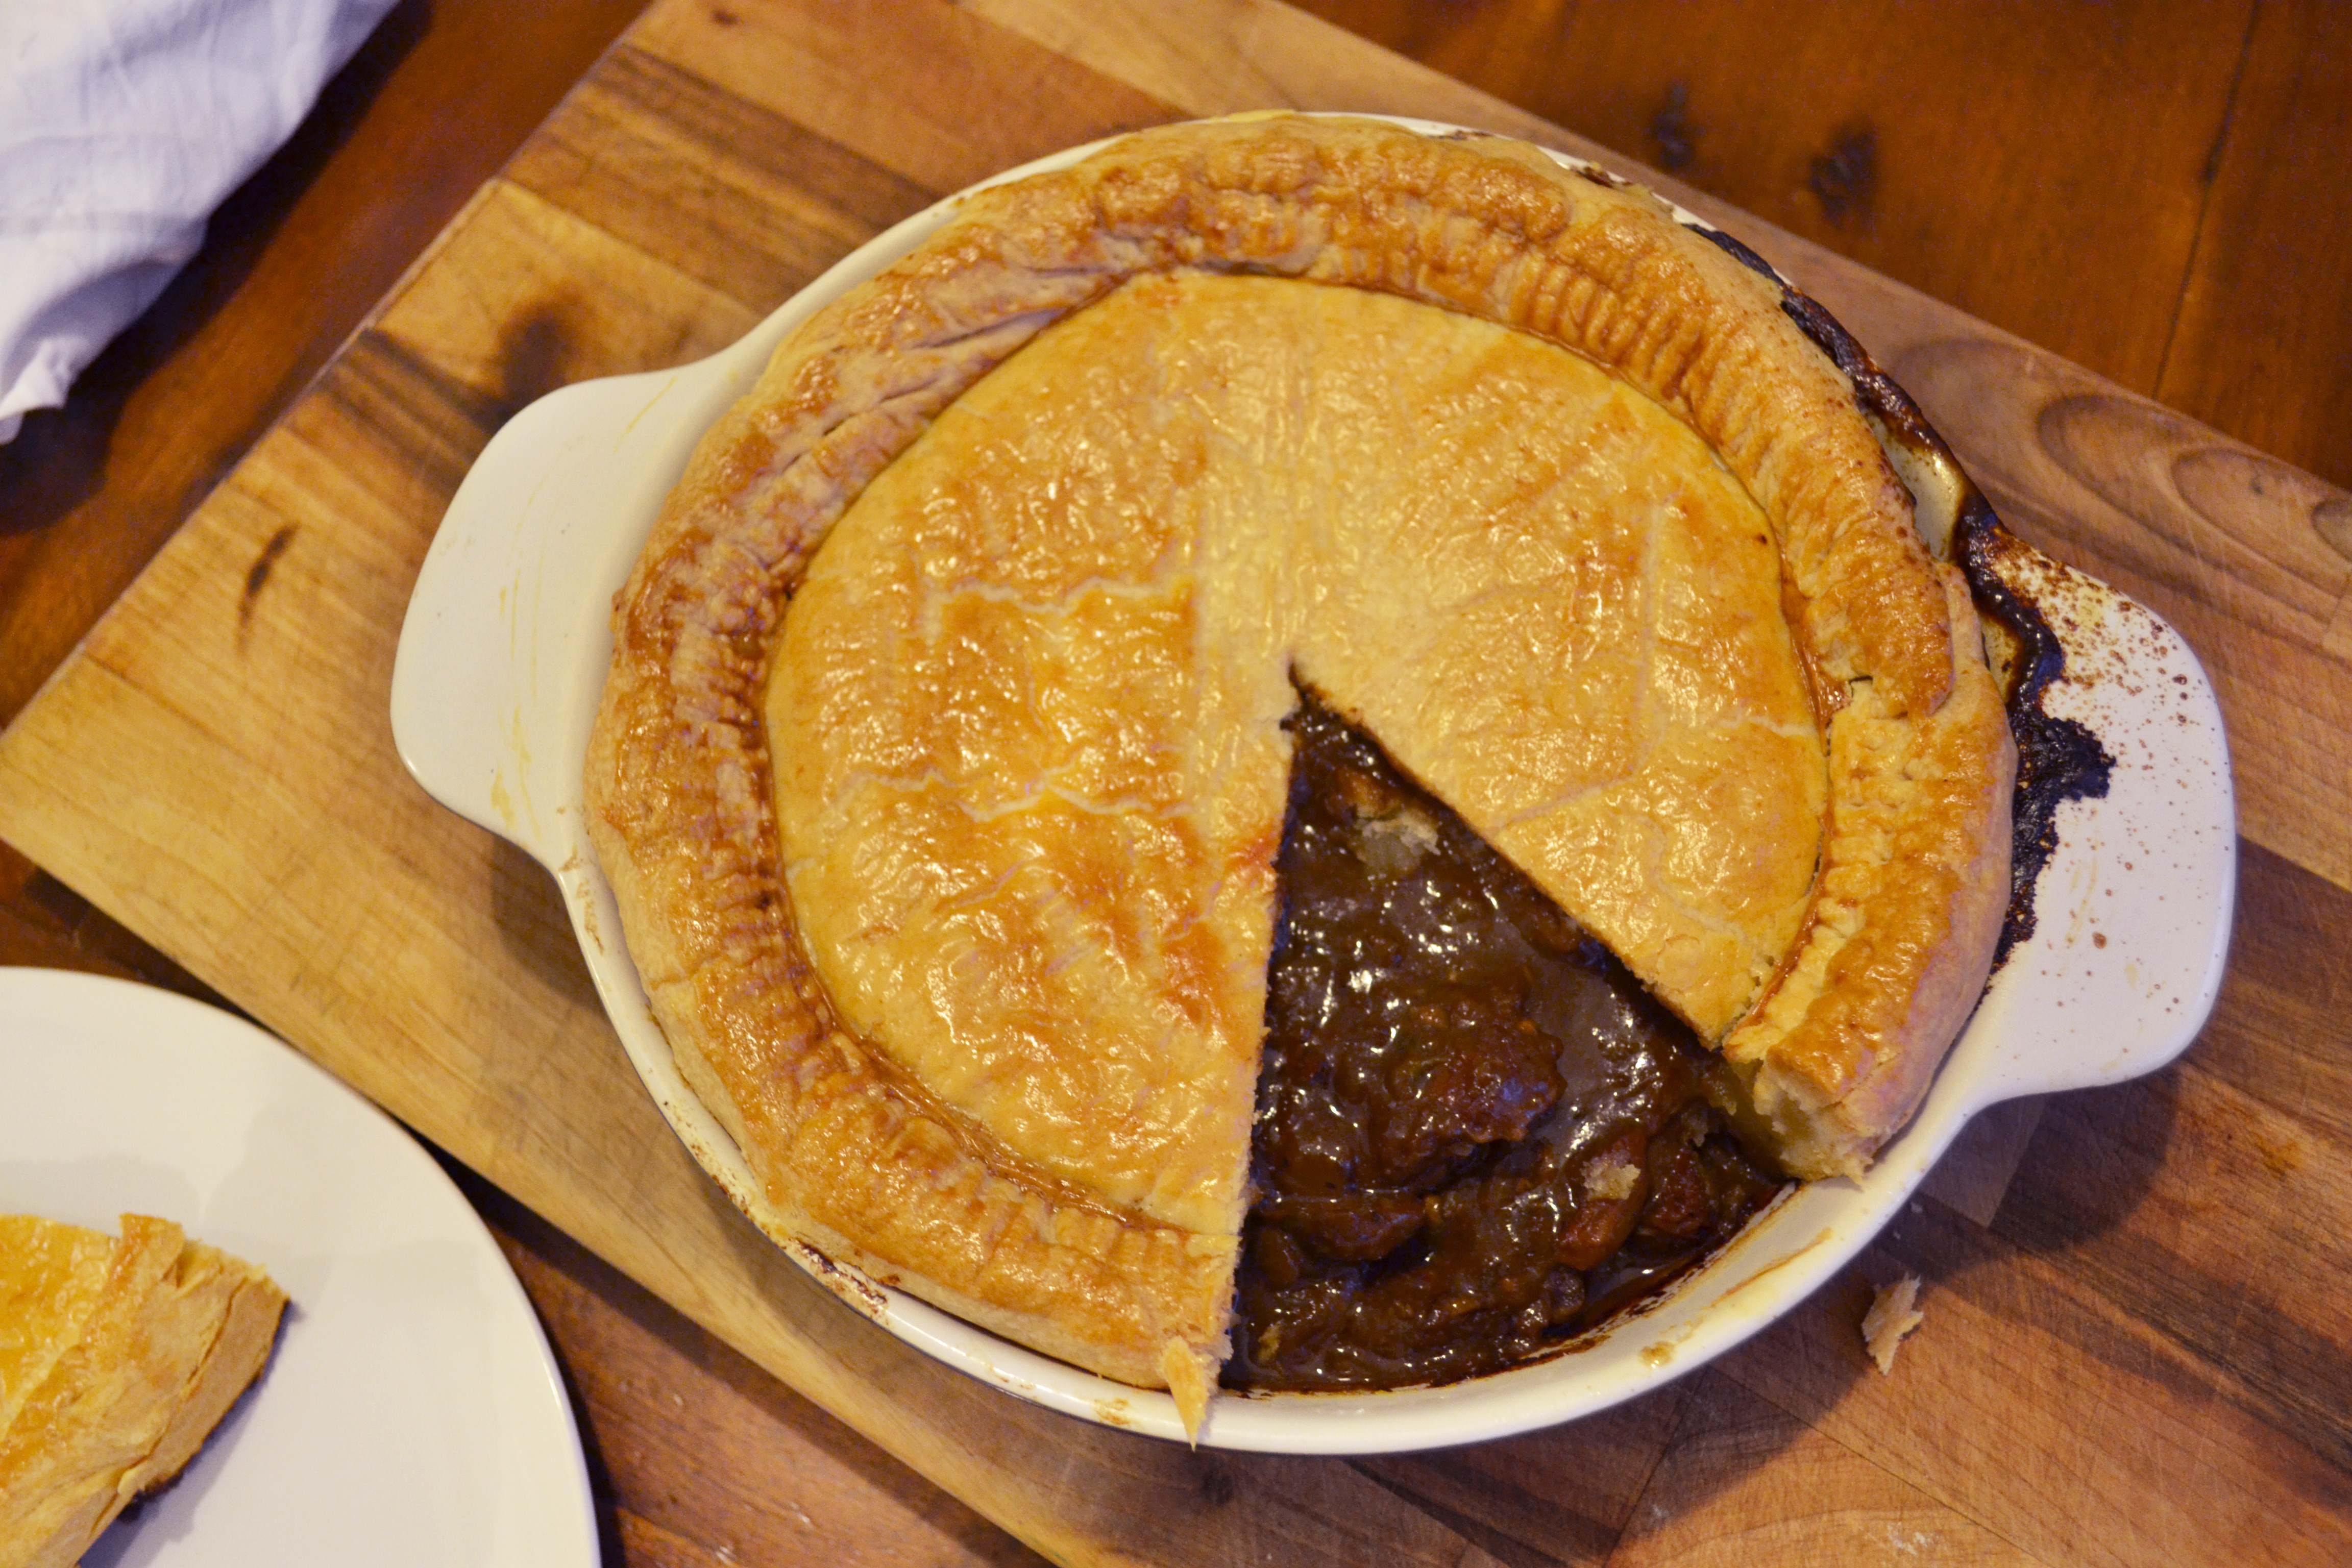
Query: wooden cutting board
pixel 2138 1344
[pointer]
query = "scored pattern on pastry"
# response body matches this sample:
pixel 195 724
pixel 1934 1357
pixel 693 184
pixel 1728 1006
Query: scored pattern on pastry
pixel 1836 1015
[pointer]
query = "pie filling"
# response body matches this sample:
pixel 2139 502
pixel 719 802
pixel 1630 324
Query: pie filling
pixel 1477 1136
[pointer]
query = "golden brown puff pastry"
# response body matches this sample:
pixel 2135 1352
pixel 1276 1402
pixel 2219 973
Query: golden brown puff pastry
pixel 117 1359
pixel 953 887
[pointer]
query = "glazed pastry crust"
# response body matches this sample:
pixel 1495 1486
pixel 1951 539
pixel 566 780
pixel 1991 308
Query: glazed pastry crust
pixel 861 1157
pixel 1026 712
pixel 116 1359
pixel 1841 1049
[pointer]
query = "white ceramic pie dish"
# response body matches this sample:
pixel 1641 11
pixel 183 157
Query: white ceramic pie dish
pixel 501 666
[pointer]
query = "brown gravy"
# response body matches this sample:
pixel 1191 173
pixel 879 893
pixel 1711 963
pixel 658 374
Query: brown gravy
pixel 1477 1135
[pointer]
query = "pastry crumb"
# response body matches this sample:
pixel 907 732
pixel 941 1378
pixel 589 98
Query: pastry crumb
pixel 1613 1180
pixel 1393 845
pixel 1893 1314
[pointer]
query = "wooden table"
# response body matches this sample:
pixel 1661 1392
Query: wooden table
pixel 2138 1345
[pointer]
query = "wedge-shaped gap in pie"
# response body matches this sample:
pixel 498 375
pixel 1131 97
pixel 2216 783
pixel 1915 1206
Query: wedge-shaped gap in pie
pixel 1477 1135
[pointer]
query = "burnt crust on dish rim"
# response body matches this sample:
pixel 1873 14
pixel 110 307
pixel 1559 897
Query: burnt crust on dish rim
pixel 755 1035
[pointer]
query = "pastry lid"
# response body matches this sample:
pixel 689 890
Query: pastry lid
pixel 501 665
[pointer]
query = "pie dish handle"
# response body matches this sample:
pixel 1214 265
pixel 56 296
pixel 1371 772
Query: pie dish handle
pixel 2132 912
pixel 507 636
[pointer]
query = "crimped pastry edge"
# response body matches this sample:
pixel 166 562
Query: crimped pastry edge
pixel 1843 1044
pixel 856 382
pixel 1071 1301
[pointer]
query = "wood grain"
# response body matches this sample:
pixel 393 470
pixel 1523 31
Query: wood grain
pixel 1561 1496
pixel 2152 191
pixel 2131 1354
pixel 2041 1410
pixel 1741 1483
pixel 88 492
pixel 2262 347
pixel 1963 147
pixel 795 1485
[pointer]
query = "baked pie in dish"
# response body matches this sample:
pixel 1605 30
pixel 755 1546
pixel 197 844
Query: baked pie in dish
pixel 946 759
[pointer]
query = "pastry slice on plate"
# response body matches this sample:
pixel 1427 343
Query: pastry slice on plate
pixel 118 1357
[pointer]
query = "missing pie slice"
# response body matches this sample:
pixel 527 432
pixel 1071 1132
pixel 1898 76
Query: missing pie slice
pixel 947 850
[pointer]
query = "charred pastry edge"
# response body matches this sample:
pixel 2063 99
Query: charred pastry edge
pixel 2058 759
pixel 729 982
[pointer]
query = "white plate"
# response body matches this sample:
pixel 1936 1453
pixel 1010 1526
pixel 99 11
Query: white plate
pixel 411 1413
pixel 501 666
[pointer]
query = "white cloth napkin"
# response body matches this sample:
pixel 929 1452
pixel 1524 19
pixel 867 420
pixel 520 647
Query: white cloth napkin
pixel 122 124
